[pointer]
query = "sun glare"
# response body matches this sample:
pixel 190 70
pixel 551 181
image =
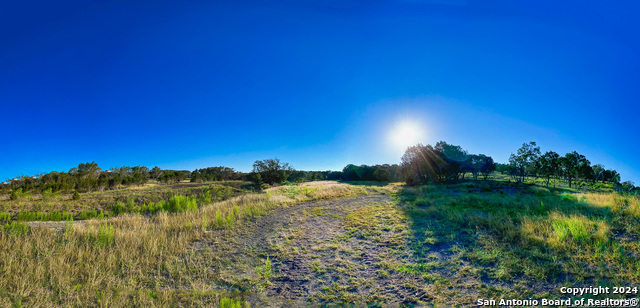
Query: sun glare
pixel 405 134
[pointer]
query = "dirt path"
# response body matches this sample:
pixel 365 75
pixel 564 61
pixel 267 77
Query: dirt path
pixel 57 226
pixel 318 256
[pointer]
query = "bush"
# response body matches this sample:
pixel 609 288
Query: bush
pixel 41 216
pixel 5 216
pixel 106 236
pixel 46 194
pixel 178 203
pixel 88 214
pixel 17 194
pixel 270 171
pixel 15 228
pixel 233 303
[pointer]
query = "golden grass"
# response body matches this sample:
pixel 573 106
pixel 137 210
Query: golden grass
pixel 617 203
pixel 570 232
pixel 87 266
pixel 143 187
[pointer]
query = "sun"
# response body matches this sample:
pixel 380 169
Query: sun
pixel 406 133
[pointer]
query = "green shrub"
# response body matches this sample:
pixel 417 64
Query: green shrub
pixel 219 219
pixel 152 208
pixel 76 195
pixel 42 216
pixel 266 270
pixel 16 194
pixel 5 216
pixel 46 194
pixel 88 214
pixel 233 303
pixel 568 197
pixel 230 219
pixel 15 228
pixel 105 236
pixel 178 203
pixel 118 208
pixel 205 198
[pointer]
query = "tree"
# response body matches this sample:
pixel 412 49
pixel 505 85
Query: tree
pixel 614 176
pixel 525 160
pixel 598 172
pixel 628 186
pixel 272 170
pixel 572 164
pixel 487 167
pixel 444 162
pixel 503 168
pixel 549 165
pixel 351 172
pixel 453 160
pixel 156 172
pixel 420 164
pixel 171 176
pixel 86 169
pixel 382 175
pixel 296 176
pixel 474 165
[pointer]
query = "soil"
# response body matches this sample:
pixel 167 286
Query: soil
pixel 314 259
pixel 57 226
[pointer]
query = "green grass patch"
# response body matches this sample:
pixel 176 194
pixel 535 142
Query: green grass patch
pixel 43 216
pixel 15 228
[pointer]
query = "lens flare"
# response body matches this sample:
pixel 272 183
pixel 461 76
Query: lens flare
pixel 406 133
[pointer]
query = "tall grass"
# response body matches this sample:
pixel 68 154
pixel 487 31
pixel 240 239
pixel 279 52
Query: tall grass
pixel 537 233
pixel 43 216
pixel 116 262
pixel 175 203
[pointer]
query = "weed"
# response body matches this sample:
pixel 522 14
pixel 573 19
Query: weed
pixel 265 272
pixel 229 220
pixel 105 236
pixel 46 194
pixel 16 194
pixel 42 216
pixel 178 203
pixel 15 228
pixel 219 219
pixel 88 214
pixel 226 302
pixel 5 216
pixel 317 267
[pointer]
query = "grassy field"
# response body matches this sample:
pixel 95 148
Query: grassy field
pixel 327 243
pixel 62 206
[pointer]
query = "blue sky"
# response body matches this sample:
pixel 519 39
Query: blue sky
pixel 319 84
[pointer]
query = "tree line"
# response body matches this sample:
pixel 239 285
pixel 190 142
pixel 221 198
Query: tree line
pixel 529 161
pixel 420 164
pixel 88 177
pixel 443 163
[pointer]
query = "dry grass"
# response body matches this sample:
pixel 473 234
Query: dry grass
pixel 104 200
pixel 617 203
pixel 118 262
pixel 455 242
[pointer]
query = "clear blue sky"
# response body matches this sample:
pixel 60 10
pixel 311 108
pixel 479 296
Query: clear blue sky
pixel 318 84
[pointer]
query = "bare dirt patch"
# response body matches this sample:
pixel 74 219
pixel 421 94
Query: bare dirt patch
pixel 57 226
pixel 319 253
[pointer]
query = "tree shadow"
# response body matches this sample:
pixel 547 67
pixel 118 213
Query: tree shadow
pixel 499 234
